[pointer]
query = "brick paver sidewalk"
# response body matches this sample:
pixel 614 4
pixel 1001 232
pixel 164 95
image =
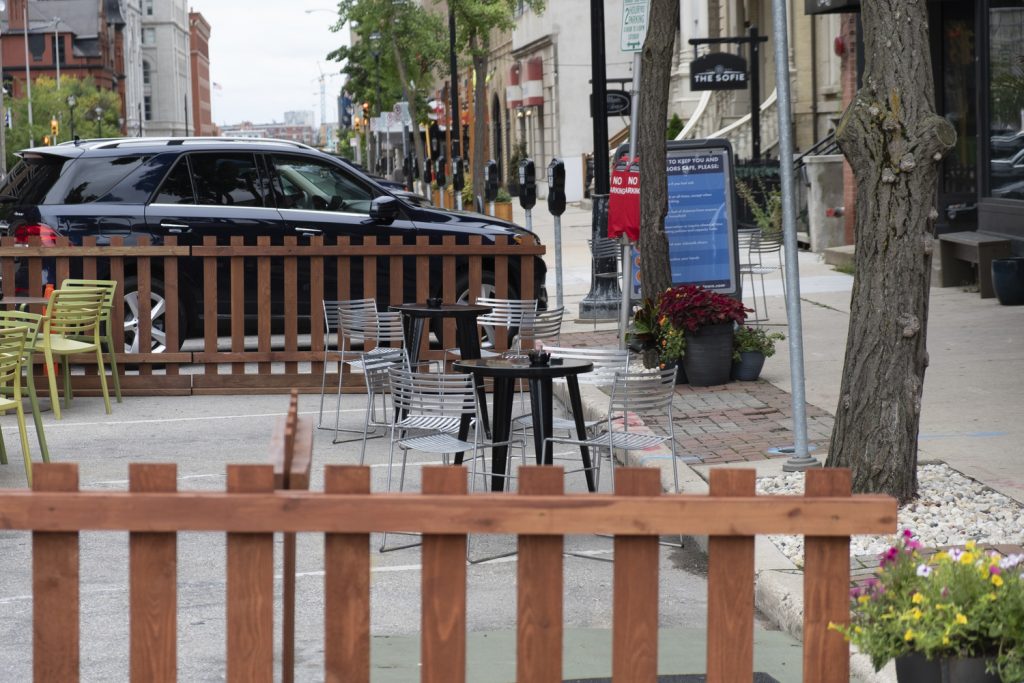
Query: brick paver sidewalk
pixel 729 423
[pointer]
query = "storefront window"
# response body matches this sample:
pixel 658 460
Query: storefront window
pixel 1006 99
pixel 958 93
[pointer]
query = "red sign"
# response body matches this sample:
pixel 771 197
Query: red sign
pixel 624 200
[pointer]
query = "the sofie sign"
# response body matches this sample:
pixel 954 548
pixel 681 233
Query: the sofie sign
pixel 718 71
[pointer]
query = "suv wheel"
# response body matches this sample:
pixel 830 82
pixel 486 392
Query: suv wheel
pixel 158 312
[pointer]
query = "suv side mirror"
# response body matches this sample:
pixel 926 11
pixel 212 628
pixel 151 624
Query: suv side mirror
pixel 384 209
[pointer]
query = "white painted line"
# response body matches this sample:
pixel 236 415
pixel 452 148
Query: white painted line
pixel 107 423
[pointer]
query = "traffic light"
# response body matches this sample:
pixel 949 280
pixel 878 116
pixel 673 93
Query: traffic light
pixel 46 140
pixel 366 110
pixel 54 127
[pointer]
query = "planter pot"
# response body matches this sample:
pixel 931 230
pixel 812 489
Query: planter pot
pixel 914 668
pixel 748 367
pixel 503 210
pixel 681 374
pixel 708 359
pixel 1008 280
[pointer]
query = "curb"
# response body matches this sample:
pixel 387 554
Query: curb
pixel 778 583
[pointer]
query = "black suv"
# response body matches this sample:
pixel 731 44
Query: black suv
pixel 195 187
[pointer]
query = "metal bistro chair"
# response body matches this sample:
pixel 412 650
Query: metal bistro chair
pixel 430 407
pixel 332 334
pixel 383 341
pixel 31 322
pixel 604 250
pixel 760 250
pixel 505 314
pixel 73 315
pixel 12 351
pixel 644 393
pixel 544 327
pixel 110 287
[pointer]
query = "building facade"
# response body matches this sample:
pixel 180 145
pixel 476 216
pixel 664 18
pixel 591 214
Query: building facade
pixel 199 46
pixel 166 79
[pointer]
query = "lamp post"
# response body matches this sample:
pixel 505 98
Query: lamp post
pixel 71 108
pixel 375 43
pixel 99 121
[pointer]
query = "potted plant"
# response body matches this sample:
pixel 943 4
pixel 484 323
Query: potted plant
pixel 765 206
pixel 706 320
pixel 652 334
pixel 750 346
pixel 956 615
pixel 503 205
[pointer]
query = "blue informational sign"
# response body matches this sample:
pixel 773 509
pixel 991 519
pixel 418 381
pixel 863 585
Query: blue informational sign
pixel 700 224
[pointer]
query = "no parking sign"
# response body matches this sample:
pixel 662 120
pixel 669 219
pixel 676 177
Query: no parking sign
pixel 624 200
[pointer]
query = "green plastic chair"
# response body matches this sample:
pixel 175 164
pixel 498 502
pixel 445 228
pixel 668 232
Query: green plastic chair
pixel 31 322
pixel 108 310
pixel 12 350
pixel 72 315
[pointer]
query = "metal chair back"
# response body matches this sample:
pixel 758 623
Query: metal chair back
pixel 431 394
pixel 543 326
pixel 643 392
pixel 505 312
pixel 607 362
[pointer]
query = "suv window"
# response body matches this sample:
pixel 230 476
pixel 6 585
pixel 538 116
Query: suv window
pixel 31 178
pixel 311 184
pixel 226 179
pixel 87 179
pixel 177 186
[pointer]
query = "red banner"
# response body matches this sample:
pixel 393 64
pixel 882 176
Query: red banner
pixel 624 200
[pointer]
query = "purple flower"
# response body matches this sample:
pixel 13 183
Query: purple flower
pixel 994 569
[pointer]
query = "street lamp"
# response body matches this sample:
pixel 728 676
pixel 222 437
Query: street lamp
pixel 99 121
pixel 71 108
pixel 375 43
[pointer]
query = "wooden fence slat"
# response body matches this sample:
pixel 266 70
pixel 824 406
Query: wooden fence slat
pixel 635 600
pixel 316 298
pixel 730 645
pixel 145 288
pixel 291 294
pixel 501 272
pixel 116 265
pixel 448 293
pixel 210 307
pixel 172 329
pixel 55 606
pixel 826 588
pixel 443 612
pixel 237 270
pixel 540 581
pixel 263 304
pixel 250 587
pixel 476 269
pixel 396 272
pixel 153 564
pixel 346 588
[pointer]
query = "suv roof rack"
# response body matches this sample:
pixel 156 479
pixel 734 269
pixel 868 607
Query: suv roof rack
pixel 112 143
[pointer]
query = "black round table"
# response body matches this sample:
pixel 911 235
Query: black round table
pixel 505 372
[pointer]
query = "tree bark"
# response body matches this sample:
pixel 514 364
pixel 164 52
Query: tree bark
pixel 894 142
pixel 655 73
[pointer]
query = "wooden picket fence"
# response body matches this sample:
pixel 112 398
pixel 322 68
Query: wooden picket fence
pixel 541 514
pixel 264 369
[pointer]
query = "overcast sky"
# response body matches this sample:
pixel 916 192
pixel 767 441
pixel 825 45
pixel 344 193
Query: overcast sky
pixel 263 55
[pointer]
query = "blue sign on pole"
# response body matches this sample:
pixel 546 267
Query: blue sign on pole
pixel 700 223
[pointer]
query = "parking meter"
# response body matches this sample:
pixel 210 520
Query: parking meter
pixel 556 187
pixel 439 171
pixel 491 180
pixel 527 184
pixel 407 175
pixel 458 181
pixel 556 205
pixel 428 177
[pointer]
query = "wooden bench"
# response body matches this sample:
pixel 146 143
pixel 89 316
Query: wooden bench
pixel 959 251
pixel 253 508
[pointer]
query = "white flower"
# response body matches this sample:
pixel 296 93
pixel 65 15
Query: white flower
pixel 924 570
pixel 1011 561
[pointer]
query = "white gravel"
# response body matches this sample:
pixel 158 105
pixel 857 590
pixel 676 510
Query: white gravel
pixel 951 510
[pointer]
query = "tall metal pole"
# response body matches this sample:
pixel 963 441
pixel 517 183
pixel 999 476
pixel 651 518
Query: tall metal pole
pixel 56 48
pixel 800 460
pixel 453 64
pixel 627 248
pixel 755 94
pixel 28 76
pixel 3 115
pixel 602 301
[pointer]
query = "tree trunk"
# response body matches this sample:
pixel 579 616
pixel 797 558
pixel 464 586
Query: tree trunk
pixel 410 97
pixel 894 142
pixel 479 119
pixel 655 73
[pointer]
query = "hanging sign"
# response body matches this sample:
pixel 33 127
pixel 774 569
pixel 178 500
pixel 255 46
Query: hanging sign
pixel 617 103
pixel 718 71
pixel 624 200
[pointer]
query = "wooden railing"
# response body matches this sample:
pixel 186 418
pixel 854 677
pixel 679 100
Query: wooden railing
pixel 291 273
pixel 252 510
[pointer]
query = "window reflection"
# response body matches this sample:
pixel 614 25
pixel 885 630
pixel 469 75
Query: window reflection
pixel 1006 101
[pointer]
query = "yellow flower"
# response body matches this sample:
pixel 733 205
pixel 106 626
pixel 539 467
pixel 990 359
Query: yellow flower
pixel 970 545
pixel 960 618
pixel 967 558
pixel 991 597
pixel 863 599
pixel 997 580
pixel 945 640
pixel 909 635
pixel 917 599
pixel 916 613
pixel 858 629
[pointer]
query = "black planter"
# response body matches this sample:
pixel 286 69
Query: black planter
pixel 748 367
pixel 681 374
pixel 1008 280
pixel 708 357
pixel 914 668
